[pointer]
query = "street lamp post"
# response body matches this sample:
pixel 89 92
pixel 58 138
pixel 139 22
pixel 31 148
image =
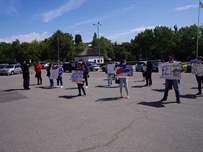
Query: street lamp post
pixel 58 47
pixel 98 24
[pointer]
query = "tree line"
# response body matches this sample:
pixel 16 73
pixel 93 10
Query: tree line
pixel 155 43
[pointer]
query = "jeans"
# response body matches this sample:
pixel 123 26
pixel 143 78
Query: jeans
pixel 125 82
pixel 168 84
pixel 26 83
pixel 51 82
pixel 199 81
pixel 110 78
pixel 86 81
pixel 39 78
pixel 59 80
pixel 81 87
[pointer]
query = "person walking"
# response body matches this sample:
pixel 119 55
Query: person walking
pixel 199 76
pixel 38 75
pixel 81 85
pixel 26 74
pixel 171 82
pixel 123 80
pixel 60 76
pixel 148 72
pixel 110 74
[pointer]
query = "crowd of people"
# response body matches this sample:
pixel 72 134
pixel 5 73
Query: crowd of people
pixel 123 81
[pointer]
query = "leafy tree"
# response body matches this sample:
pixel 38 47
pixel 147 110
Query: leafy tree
pixel 78 39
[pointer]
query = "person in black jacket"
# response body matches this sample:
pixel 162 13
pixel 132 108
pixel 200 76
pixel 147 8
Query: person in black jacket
pixel 26 74
pixel 149 73
pixel 199 77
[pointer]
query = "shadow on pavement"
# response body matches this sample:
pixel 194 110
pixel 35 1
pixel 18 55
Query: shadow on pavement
pixel 158 90
pixel 156 104
pixel 10 90
pixel 138 86
pixel 106 86
pixel 189 96
pixel 68 97
pixel 108 99
pixel 139 81
pixel 47 87
pixel 71 88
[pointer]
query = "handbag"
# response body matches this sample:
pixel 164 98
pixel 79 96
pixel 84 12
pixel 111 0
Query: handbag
pixel 117 81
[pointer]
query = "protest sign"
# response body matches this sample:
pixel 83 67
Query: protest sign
pixel 123 71
pixel 54 73
pixel 111 68
pixel 197 69
pixel 170 70
pixel 77 76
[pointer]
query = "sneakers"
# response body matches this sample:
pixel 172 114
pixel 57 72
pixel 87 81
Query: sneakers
pixel 178 101
pixel 121 96
pixel 127 97
pixel 163 99
pixel 86 87
pixel 61 86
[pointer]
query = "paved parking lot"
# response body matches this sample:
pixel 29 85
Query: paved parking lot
pixel 50 120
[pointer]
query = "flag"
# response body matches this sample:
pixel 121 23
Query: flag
pixel 200 5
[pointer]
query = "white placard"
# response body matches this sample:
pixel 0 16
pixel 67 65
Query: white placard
pixel 170 70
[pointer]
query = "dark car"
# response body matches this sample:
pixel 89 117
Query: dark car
pixel 189 66
pixel 69 66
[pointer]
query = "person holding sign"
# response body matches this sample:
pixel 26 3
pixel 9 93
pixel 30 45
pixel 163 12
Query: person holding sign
pixel 199 75
pixel 110 72
pixel 123 80
pixel 81 83
pixel 173 82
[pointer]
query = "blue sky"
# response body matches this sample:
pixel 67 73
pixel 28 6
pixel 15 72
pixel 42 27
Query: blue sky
pixel 121 20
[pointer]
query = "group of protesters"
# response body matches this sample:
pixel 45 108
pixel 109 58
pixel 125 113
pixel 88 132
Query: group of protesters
pixel 123 81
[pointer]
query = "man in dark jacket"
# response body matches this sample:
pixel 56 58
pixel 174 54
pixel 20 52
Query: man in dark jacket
pixel 149 72
pixel 26 74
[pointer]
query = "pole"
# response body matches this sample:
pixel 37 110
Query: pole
pixel 198 30
pixel 58 47
pixel 98 24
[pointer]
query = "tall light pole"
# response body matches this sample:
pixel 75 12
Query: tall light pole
pixel 98 24
pixel 58 47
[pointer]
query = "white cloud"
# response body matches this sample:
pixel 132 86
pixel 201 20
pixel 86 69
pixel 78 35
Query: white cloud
pixel 185 7
pixel 111 14
pixel 26 37
pixel 136 30
pixel 70 5
pixel 9 6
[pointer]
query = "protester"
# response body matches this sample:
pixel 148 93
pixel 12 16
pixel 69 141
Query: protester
pixel 199 77
pixel 144 70
pixel 173 82
pixel 81 85
pixel 149 73
pixel 53 74
pixel 26 74
pixel 86 73
pixel 60 75
pixel 123 80
pixel 48 73
pixel 38 75
pixel 110 74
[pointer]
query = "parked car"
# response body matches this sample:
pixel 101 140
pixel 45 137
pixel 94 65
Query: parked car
pixel 103 68
pixel 189 66
pixel 44 64
pixel 11 69
pixel 155 66
pixel 139 65
pixel 92 66
pixel 3 66
pixel 69 66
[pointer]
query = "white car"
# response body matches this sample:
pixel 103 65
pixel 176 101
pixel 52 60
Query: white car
pixel 11 69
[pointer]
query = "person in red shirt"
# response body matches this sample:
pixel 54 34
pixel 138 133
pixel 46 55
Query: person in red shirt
pixel 38 70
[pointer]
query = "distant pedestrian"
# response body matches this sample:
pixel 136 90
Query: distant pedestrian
pixel 144 70
pixel 26 74
pixel 171 82
pixel 38 73
pixel 149 72
pixel 86 73
pixel 199 77
pixel 110 74
pixel 60 75
pixel 123 81
pixel 81 85
pixel 48 72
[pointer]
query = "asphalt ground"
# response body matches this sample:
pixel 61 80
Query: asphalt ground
pixel 46 119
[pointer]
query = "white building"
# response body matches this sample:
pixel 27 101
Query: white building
pixel 90 55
